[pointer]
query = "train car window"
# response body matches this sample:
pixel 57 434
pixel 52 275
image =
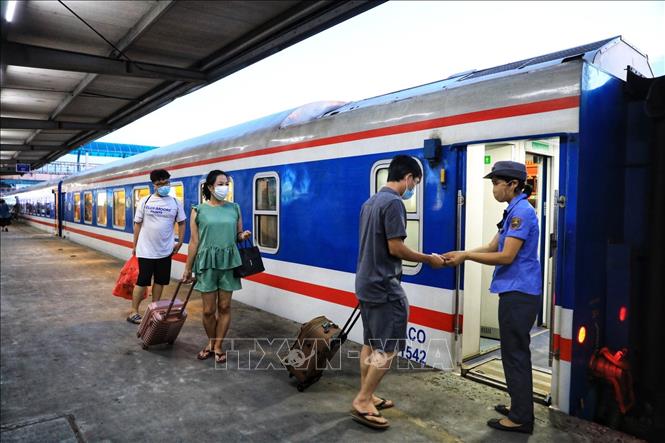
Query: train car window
pixel 266 211
pixel 77 206
pixel 411 204
pixel 87 207
pixel 201 185
pixel 177 191
pixel 119 208
pixel 101 208
pixel 139 193
pixel 379 178
pixel 229 196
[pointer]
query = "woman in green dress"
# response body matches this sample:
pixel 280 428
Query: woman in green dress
pixel 215 226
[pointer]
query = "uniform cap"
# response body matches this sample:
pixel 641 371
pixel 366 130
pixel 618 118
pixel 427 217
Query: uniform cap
pixel 508 169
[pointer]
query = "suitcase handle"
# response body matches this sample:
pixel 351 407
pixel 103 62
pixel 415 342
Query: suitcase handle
pixel 189 294
pixel 343 334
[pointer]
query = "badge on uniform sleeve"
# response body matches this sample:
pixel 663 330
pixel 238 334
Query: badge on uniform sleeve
pixel 515 223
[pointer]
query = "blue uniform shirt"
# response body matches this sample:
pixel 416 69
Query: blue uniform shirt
pixel 523 274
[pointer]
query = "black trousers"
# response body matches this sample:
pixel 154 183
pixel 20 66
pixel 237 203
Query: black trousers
pixel 517 313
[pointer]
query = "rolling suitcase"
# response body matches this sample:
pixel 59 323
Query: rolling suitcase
pixel 163 320
pixel 318 342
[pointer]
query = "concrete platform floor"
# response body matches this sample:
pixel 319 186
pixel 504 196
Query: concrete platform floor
pixel 72 369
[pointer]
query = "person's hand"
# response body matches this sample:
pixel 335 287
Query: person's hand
pixel 176 248
pixel 454 258
pixel 244 235
pixel 436 261
pixel 187 276
pixel 134 250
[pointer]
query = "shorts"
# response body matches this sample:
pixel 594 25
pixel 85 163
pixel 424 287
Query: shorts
pixel 384 324
pixel 159 267
pixel 211 280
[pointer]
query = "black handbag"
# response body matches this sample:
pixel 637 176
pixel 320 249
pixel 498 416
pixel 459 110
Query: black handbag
pixel 251 260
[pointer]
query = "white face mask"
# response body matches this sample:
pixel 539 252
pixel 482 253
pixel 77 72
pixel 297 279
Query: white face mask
pixel 221 192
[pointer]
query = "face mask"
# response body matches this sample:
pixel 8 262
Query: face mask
pixel 408 193
pixel 221 192
pixel 163 191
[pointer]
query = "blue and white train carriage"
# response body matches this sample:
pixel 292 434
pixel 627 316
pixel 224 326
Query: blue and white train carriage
pixel 301 176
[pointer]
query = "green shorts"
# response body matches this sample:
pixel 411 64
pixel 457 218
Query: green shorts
pixel 211 280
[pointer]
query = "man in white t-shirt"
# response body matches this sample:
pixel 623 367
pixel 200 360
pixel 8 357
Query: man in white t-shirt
pixel 154 239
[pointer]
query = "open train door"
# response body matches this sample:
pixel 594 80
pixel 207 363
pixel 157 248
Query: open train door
pixel 481 355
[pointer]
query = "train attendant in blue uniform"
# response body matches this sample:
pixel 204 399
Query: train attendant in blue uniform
pixel 517 279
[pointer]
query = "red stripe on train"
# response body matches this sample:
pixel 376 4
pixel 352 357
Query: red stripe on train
pixel 421 316
pixel 452 120
pixel 34 220
pixel 117 241
pixel 564 346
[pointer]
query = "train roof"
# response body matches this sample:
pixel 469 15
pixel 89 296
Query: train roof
pixel 612 54
pixel 42 185
pixel 596 53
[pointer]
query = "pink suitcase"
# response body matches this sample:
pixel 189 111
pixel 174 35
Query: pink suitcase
pixel 163 320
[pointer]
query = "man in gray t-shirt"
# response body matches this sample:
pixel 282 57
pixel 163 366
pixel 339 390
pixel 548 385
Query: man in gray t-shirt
pixel 383 303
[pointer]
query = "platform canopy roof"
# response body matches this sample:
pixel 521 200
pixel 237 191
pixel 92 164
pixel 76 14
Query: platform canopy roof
pixel 73 71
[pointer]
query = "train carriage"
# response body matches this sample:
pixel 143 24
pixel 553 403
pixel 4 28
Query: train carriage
pixel 301 176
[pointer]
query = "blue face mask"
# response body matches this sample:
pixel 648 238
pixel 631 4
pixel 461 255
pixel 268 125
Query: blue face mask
pixel 408 193
pixel 163 191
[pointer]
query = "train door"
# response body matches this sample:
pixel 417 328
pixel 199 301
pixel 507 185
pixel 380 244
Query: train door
pixel 481 340
pixel 55 208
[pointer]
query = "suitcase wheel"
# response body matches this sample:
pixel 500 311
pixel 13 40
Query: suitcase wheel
pixel 301 387
pixel 290 375
pixel 171 342
pixel 144 346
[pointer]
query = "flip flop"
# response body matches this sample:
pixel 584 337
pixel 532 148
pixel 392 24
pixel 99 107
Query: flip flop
pixel 220 357
pixel 383 404
pixel 204 354
pixel 136 319
pixel 361 417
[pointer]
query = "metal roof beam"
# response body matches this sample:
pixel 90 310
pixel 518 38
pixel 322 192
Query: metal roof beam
pixel 25 123
pixel 137 31
pixel 32 147
pixel 18 54
pixel 303 20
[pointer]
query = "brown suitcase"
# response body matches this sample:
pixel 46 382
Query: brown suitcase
pixel 317 343
pixel 163 320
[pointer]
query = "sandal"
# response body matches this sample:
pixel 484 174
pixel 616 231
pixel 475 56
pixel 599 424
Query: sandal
pixel 136 319
pixel 384 404
pixel 361 417
pixel 220 357
pixel 204 354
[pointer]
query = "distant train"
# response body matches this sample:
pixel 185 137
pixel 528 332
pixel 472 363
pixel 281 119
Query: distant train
pixel 301 176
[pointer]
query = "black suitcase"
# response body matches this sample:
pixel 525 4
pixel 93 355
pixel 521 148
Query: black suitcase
pixel 317 343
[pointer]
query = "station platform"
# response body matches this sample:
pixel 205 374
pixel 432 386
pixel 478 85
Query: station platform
pixel 73 370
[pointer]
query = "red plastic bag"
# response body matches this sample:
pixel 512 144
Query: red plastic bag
pixel 129 273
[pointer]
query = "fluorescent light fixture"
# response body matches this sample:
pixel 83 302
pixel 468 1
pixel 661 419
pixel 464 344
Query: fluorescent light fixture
pixel 11 7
